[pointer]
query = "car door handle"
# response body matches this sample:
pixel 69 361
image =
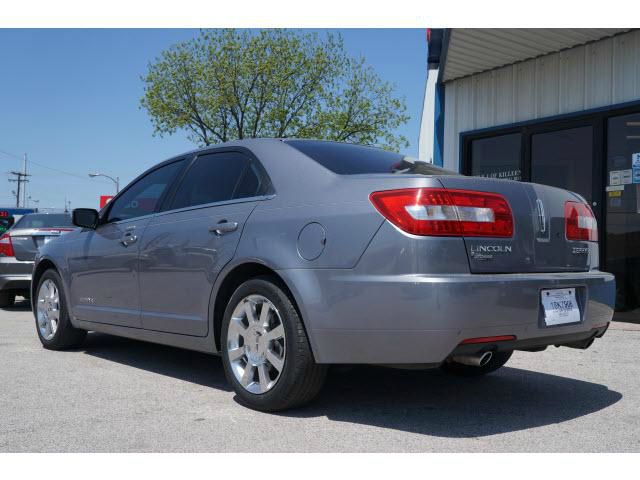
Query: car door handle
pixel 128 238
pixel 224 227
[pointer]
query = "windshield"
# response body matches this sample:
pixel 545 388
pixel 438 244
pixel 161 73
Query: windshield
pixel 349 159
pixel 44 220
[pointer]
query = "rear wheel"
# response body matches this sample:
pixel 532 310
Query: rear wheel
pixel 265 350
pixel 7 299
pixel 498 359
pixel 52 317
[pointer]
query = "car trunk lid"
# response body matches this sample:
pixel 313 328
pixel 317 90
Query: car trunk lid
pixel 539 243
pixel 26 242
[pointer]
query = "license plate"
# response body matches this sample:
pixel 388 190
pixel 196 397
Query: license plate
pixel 560 306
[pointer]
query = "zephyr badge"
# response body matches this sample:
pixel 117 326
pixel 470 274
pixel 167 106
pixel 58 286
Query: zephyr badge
pixel 486 252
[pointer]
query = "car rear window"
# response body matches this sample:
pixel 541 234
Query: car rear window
pixel 48 220
pixel 350 159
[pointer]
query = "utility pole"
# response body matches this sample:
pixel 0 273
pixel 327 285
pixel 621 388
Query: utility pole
pixel 24 190
pixel 21 177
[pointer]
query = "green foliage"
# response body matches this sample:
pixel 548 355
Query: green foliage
pixel 233 84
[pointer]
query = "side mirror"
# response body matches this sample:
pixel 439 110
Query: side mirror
pixel 85 218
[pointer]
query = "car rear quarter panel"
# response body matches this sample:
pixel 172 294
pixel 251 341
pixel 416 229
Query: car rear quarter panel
pixel 339 203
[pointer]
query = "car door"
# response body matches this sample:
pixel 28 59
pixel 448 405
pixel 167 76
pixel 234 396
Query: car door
pixel 185 246
pixel 104 262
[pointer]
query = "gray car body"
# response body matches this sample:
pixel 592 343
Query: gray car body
pixel 15 272
pixel 367 292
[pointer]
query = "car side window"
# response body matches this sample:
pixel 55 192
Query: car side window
pixel 218 177
pixel 142 197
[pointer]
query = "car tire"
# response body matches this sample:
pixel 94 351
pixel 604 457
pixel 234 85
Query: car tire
pixel 497 360
pixel 251 366
pixel 50 304
pixel 7 299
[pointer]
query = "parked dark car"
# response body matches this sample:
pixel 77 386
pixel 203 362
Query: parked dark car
pixel 18 247
pixel 285 256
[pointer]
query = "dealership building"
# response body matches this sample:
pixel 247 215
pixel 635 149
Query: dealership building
pixel 554 106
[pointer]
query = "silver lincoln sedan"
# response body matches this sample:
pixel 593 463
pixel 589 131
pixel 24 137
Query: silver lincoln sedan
pixel 286 256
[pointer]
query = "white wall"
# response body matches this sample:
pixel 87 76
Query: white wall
pixel 427 124
pixel 594 75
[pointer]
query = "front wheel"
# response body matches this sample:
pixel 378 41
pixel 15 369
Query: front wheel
pixel 498 359
pixel 265 350
pixel 52 317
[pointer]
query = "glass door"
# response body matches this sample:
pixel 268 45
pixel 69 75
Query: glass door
pixel 622 244
pixel 595 154
pixel 564 159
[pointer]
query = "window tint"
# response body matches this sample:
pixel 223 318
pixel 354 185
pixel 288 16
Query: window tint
pixel 349 159
pixel 142 197
pixel 497 157
pixel 218 177
pixel 563 159
pixel 44 220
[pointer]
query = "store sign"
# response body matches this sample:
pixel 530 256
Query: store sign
pixel 512 174
pixel 615 177
pixel 104 199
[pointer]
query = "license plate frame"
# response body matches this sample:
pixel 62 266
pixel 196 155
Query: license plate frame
pixel 560 307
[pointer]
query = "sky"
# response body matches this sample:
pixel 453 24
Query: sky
pixel 69 99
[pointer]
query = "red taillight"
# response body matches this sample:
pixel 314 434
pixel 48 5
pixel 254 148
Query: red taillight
pixel 499 338
pixel 6 247
pixel 580 223
pixel 439 211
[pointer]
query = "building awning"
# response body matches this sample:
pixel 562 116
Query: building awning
pixel 473 50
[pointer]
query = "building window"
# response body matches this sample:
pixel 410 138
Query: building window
pixel 497 157
pixel 563 158
pixel 595 154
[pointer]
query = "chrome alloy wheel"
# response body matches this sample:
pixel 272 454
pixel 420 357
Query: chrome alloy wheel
pixel 48 309
pixel 256 344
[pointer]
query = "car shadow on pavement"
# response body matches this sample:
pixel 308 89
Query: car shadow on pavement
pixel 427 402
pixel 187 365
pixel 20 305
pixel 432 403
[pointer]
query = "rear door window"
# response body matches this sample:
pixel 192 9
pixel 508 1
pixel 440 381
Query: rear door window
pixel 219 177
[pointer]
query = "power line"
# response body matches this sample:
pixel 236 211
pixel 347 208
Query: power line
pixel 31 162
pixel 10 154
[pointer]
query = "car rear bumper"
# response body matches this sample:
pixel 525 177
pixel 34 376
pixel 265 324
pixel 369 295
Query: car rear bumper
pixel 15 274
pixel 422 319
pixel 15 282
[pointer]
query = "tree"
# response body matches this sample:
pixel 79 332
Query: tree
pixel 234 84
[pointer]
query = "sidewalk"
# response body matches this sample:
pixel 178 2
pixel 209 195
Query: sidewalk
pixel 617 325
pixel 626 320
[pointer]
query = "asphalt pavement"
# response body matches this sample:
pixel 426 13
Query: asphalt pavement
pixel 119 395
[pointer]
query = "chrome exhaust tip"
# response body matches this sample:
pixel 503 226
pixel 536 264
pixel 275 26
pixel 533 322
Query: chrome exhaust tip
pixel 477 360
